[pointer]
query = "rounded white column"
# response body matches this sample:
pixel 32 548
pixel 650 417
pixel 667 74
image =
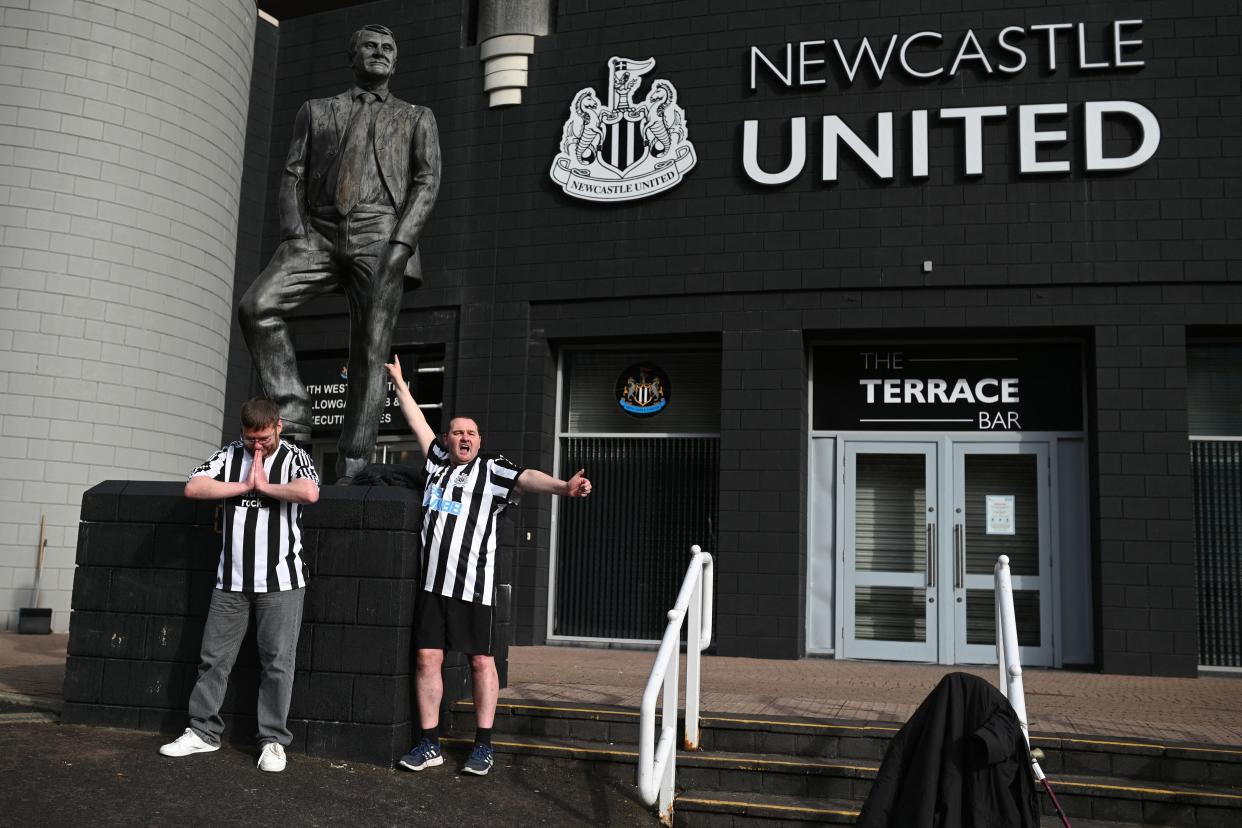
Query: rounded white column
pixel 122 129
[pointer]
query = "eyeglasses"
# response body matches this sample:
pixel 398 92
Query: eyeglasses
pixel 254 441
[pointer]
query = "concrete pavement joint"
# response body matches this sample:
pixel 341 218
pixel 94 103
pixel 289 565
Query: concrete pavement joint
pixel 37 702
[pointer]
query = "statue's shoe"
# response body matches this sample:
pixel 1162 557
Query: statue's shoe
pixel 348 468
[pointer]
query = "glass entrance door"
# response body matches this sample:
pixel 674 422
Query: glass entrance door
pixel 1001 507
pixel 890 543
pixel 919 587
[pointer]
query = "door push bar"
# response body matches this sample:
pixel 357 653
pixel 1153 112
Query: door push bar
pixel 959 556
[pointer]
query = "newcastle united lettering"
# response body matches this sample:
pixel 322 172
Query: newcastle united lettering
pixel 1040 127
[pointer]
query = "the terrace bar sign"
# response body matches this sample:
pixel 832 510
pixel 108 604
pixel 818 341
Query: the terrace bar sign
pixel 960 386
pixel 918 57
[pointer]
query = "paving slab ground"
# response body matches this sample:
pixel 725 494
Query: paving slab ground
pixel 33 665
pixel 1207 709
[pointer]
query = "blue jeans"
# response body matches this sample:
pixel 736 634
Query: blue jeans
pixel 278 620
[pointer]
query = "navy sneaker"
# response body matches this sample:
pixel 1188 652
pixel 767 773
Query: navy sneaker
pixel 480 761
pixel 425 754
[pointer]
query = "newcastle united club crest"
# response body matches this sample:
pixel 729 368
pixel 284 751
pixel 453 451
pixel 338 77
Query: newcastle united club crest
pixel 643 390
pixel 628 149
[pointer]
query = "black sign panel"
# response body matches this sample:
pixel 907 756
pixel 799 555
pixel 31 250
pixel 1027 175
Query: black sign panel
pixel 326 379
pixel 958 386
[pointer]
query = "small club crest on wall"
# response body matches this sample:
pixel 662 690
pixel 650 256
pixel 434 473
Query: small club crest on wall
pixel 626 150
pixel 643 390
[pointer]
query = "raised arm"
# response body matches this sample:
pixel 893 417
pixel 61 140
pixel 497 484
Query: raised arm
pixel 537 482
pixel 414 417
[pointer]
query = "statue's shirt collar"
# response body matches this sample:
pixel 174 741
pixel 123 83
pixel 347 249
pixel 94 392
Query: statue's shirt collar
pixel 381 94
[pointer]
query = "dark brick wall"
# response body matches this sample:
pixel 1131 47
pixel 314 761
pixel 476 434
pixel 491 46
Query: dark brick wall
pixel 523 270
pixel 147 559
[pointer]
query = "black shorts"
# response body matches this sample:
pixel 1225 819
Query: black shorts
pixel 442 623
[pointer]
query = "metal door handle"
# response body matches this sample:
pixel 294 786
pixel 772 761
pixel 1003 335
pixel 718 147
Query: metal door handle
pixel 930 556
pixel 959 556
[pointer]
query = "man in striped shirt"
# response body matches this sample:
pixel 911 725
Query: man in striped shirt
pixel 263 481
pixel 464 497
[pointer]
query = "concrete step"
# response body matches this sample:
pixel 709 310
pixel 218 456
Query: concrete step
pixel 826 766
pixel 695 808
pixel 1131 759
pixel 718 809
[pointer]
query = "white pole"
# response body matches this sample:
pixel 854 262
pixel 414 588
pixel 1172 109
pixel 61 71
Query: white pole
pixel 692 653
pixel 1002 680
pixel 1009 632
pixel 669 733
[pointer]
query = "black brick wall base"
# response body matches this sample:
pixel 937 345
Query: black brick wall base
pixel 147 560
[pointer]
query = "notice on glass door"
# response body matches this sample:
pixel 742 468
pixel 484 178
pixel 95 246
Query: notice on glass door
pixel 1000 514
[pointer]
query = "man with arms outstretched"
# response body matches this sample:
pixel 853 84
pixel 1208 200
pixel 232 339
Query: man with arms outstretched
pixel 263 481
pixel 464 497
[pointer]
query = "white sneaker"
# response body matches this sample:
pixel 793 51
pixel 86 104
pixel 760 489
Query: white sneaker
pixel 272 759
pixel 187 743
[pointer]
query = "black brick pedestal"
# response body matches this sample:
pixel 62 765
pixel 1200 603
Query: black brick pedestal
pixel 147 560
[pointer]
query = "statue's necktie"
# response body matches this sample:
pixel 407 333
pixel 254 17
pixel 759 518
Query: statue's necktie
pixel 354 155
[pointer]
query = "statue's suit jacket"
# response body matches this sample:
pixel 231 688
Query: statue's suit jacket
pixel 407 146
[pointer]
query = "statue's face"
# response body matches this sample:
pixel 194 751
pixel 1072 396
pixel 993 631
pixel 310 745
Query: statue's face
pixel 376 56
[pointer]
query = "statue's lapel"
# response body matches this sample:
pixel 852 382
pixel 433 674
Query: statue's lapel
pixel 340 114
pixel 383 123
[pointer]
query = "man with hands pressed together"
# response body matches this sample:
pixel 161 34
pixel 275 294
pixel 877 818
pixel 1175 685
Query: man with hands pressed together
pixel 464 497
pixel 263 481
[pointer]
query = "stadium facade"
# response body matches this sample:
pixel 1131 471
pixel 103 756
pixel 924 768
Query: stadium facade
pixel 855 295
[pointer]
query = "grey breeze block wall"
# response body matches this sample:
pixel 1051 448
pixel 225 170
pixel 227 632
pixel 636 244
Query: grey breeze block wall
pixel 1129 263
pixel 121 146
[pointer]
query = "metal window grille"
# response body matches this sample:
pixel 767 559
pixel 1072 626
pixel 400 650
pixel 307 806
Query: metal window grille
pixel 1217 469
pixel 621 554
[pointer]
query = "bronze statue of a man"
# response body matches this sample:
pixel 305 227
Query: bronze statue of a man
pixel 362 174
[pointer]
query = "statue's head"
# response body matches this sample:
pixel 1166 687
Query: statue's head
pixel 373 52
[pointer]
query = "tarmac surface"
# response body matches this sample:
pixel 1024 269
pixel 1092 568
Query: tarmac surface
pixel 58 774
pixel 76 775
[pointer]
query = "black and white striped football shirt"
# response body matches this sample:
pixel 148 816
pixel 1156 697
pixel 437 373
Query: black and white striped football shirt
pixel 262 548
pixel 463 504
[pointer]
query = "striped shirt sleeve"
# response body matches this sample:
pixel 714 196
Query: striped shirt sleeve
pixel 502 477
pixel 302 467
pixel 437 456
pixel 214 465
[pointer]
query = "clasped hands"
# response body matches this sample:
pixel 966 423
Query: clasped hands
pixel 258 474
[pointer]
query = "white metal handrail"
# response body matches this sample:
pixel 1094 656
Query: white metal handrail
pixel 657 763
pixel 1009 664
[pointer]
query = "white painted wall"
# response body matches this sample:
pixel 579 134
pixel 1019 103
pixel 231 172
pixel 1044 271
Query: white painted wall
pixel 122 127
